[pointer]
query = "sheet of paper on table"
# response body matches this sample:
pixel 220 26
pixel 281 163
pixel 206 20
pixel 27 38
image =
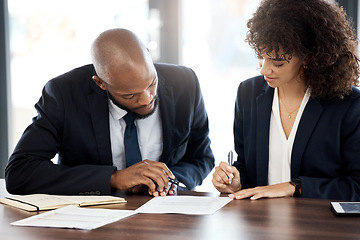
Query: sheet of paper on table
pixel 91 218
pixel 75 217
pixel 194 205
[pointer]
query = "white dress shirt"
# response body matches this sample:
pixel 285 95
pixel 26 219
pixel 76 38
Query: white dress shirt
pixel 149 131
pixel 280 148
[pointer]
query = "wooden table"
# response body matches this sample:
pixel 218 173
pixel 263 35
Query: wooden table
pixel 283 218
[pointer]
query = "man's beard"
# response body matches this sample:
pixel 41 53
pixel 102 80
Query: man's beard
pixel 136 115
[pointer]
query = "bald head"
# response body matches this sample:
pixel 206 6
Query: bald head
pixel 118 51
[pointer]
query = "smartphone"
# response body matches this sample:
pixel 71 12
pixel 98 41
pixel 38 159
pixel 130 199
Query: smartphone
pixel 346 208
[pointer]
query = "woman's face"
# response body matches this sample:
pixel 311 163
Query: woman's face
pixel 279 72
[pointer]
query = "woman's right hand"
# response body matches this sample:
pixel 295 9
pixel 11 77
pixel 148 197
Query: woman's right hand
pixel 226 179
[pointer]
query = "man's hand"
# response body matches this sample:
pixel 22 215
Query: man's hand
pixel 221 178
pixel 171 190
pixel 271 191
pixel 148 173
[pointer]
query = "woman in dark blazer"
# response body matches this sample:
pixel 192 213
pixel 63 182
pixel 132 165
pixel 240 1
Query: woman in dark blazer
pixel 297 126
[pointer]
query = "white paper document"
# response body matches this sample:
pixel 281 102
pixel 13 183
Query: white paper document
pixel 195 205
pixel 75 217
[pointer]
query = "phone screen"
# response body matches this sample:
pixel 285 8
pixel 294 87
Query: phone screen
pixel 351 207
pixel 346 208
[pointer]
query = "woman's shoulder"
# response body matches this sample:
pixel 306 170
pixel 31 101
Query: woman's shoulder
pixel 257 80
pixel 354 97
pixel 348 102
pixel 355 92
pixel 253 85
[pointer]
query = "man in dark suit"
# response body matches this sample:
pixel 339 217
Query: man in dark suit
pixel 81 117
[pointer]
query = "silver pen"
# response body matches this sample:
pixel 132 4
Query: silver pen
pixel 230 162
pixel 173 181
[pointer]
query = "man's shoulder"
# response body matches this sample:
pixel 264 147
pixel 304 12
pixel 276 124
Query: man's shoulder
pixel 78 73
pixel 176 76
pixel 75 78
pixel 173 71
pixel 170 67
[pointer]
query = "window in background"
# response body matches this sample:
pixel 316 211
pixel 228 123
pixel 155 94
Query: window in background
pixel 213 46
pixel 48 38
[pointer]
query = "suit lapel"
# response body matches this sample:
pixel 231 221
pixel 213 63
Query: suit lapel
pixel 100 121
pixel 308 121
pixel 167 114
pixel 264 106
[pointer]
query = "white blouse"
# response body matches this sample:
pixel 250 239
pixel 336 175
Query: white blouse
pixel 280 148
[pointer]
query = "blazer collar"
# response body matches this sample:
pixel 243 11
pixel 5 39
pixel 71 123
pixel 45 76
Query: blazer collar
pixel 100 120
pixel 309 119
pixel 167 113
pixel 263 104
pixel 97 99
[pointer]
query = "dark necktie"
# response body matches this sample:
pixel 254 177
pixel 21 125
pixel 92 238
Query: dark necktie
pixel 132 150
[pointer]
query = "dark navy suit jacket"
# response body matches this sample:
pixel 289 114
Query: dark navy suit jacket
pixel 73 121
pixel 326 150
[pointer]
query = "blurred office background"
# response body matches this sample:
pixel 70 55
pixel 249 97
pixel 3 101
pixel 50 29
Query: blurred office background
pixel 43 39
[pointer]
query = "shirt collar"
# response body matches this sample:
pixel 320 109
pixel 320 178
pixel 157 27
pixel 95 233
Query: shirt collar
pixel 116 112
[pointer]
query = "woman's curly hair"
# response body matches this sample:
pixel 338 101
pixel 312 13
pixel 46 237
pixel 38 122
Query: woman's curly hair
pixel 316 32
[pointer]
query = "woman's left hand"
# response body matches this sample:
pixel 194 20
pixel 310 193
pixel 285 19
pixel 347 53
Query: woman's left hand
pixel 270 191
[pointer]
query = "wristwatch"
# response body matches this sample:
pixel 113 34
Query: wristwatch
pixel 296 182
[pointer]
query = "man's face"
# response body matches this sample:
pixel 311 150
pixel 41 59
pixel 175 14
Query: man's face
pixel 134 90
pixel 136 115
